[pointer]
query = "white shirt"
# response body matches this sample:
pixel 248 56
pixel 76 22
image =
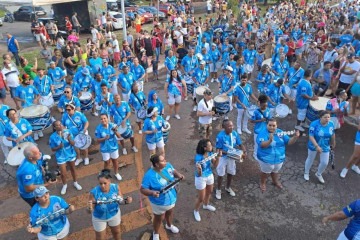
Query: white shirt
pixel 202 108
pixel 349 66
pixel 330 56
pixel 179 37
pixel 103 19
pixel 178 21
pixel 11 76
pixel 208 5
pixel 94 33
pixel 116 46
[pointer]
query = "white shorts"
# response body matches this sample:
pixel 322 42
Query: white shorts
pixel 336 122
pixel 226 165
pixel 39 37
pixel 126 96
pixel 248 68
pixel 212 68
pixel 269 168
pixel 293 93
pixel 113 155
pixel 62 234
pixel 100 224
pixel 160 210
pixel 159 144
pixel 301 114
pixel 202 182
pixel 173 99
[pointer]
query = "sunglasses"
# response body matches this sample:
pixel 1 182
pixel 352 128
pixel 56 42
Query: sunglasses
pixel 66 92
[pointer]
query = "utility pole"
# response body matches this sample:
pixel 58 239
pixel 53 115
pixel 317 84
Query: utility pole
pixel 123 19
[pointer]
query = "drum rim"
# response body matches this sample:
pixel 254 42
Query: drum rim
pixel 227 99
pixel 83 95
pixel 87 136
pixel 22 146
pixel 34 116
pixel 200 87
pixel 320 100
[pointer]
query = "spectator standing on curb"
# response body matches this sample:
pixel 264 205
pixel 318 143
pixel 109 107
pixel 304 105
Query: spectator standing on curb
pixel 13 47
pixel 76 23
pixel 11 76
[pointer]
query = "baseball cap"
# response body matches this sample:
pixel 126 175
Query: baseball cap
pixel 207 92
pixel 105 60
pixel 229 68
pixel 40 191
pixel 202 62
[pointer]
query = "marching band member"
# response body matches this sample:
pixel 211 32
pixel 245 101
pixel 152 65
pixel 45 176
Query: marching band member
pixel 293 77
pixel 96 91
pixel 188 65
pixel 215 58
pixel 17 129
pixel 55 225
pixel 153 125
pixel 227 140
pixel 139 73
pixel 242 94
pixel 200 77
pixel 69 81
pixel 77 123
pixel 227 83
pixel 155 179
pixel 105 135
pixel 321 139
pixel 29 175
pixel 281 67
pixel 125 81
pixel 264 79
pixel 81 67
pixel 62 143
pixel 354 161
pixel 104 100
pixel 84 80
pixel 104 201
pixel 304 94
pixel 109 73
pixel 338 107
pixel 3 120
pixel 120 112
pixel 56 74
pixel 204 177
pixel 275 93
pixel 250 56
pixel 175 88
pixel 170 63
pixel 26 93
pixel 155 101
pixel 260 117
pixel 137 101
pixel 238 68
pixel 205 112
pixel 68 97
pixel 272 143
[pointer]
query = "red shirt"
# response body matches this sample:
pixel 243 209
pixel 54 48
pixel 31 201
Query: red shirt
pixel 2 83
pixel 291 51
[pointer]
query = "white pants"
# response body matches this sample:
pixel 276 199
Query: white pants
pixel 240 122
pixel 4 148
pixel 62 234
pixel 113 88
pixel 324 160
pixel 255 147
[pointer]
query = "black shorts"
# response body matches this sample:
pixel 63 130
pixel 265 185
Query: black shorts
pixel 52 36
pixel 345 86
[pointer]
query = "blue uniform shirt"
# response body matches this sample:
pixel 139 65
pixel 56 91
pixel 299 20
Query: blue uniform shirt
pixel 274 93
pixel 258 114
pixel 353 228
pixel 200 75
pixel 138 71
pixel 226 83
pixel 63 101
pixel 74 123
pixel 189 63
pixel 119 112
pixel 84 82
pixel 96 64
pixel 96 86
pixel 227 141
pixel 294 76
pixel 174 87
pixel 171 62
pixel 27 93
pixel 263 80
pixel 206 167
pixel 150 125
pixel 240 93
pixel 126 81
pixel 109 145
pixel 67 152
pixel 3 118
pixel 28 174
pixel 105 211
pixel 322 135
pixel 304 87
pixel 23 125
pixel 105 109
pixel 56 74
pixel 134 100
pixel 107 71
pixel 43 85
pixel 275 152
pixel 249 56
pixel 281 68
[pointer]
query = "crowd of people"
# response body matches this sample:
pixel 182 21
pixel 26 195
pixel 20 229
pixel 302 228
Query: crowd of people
pixel 263 63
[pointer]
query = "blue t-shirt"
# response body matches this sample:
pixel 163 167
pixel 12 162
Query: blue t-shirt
pixel 138 72
pixel 119 112
pixel 96 86
pixel 226 142
pixel 171 63
pixel 154 181
pixel 285 47
pixel 322 135
pixel 281 68
pixel 111 144
pixel 107 71
pixel 56 74
pixel 206 167
pixel 96 64
pixel 105 211
pixel 240 93
pixel 28 174
pixel 175 86
pixel 275 152
pixel 43 85
pixel 126 81
pixel 294 76
pixel 226 83
pixel 304 88
pixel 353 228
pixel 23 126
pixel 274 93
pixel 84 82
pixel 158 104
pixel 56 224
pixel 263 81
pixel 105 108
pixel 215 55
pixel 249 56
pixel 258 114
pixel 63 101
pixel 27 93
pixel 134 100
pixel 189 63
pixel 151 125
pixel 3 118
pixel 200 76
pixel 74 123
pixel 67 152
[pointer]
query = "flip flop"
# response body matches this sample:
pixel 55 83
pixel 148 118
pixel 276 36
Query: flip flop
pixel 262 187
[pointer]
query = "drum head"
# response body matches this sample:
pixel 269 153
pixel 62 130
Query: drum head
pixel 85 96
pixel 320 104
pixel 16 154
pixel 34 111
pixel 200 90
pixel 267 62
pixel 82 141
pixel 167 127
pixel 221 99
pixel 121 129
pixel 6 142
pixel 141 114
pixel 282 110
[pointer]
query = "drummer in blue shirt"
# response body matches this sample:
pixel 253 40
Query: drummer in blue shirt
pixel 56 74
pixel 227 83
pixel 162 204
pixel 125 81
pixel 272 143
pixel 215 58
pixel 321 140
pixel 104 100
pixel 293 77
pixel 139 73
pixel 106 134
pixel 200 77
pixel 108 72
pixel 17 129
pixel 3 120
pixel 68 97
pixel 62 143
pixel 275 93
pixel 281 67
pixel 138 102
pixel 55 225
pixel 189 63
pixel 26 93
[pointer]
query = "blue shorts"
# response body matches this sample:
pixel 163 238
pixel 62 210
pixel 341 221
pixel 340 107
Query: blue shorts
pixel 2 93
pixel 12 92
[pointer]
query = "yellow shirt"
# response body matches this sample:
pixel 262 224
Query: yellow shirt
pixel 138 21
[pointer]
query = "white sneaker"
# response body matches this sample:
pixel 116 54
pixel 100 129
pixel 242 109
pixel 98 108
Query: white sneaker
pixel 96 114
pixel 63 189
pixel 306 176
pixel 77 186
pixel 209 207
pixel 246 130
pixel 320 178
pixel 41 134
pixel 194 108
pixel 118 177
pixel 212 80
pixel 140 131
pixel 167 118
pixel 230 191
pixel 177 116
pixel 214 118
pixel 172 228
pixel 218 194
pixel 343 173
pixel 355 169
pixel 305 125
pixel 134 149
pixel 226 117
pixel 217 80
pixel 156 236
pixel 36 136
pixel 78 161
pixel 86 161
pixel 186 98
pixel 300 128
pixel 197 216
pixel 124 151
pixel 239 131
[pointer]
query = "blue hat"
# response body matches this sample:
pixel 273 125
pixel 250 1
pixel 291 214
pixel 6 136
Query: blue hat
pixel 40 191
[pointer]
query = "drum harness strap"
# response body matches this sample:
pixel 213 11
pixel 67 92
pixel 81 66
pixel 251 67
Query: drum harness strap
pixel 294 74
pixel 73 121
pixel 242 89
pixel 17 130
pixel 141 102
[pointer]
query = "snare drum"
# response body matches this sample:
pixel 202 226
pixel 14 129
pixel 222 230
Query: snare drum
pixel 251 110
pixel 200 92
pixel 59 91
pixel 267 62
pixel 125 132
pixel 222 104
pixel 189 84
pixel 38 116
pixel 315 107
pixel 165 131
pixel 141 113
pixel 282 110
pixel 82 141
pixel 16 154
pixel 235 154
pixel 86 101
pixel 47 100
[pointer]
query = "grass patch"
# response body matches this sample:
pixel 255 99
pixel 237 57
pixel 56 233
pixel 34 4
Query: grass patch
pixel 2 13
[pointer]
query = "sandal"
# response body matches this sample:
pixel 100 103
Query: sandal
pixel 263 187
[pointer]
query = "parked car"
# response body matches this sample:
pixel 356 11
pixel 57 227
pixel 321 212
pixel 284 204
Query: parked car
pixel 142 19
pixel 1 22
pixel 27 13
pixel 164 8
pixel 117 21
pixel 129 5
pixel 148 17
pixel 112 5
pixel 61 26
pixel 154 11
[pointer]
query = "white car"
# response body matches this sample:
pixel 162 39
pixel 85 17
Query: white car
pixel 117 20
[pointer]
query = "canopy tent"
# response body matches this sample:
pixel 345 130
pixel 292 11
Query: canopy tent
pixel 33 2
